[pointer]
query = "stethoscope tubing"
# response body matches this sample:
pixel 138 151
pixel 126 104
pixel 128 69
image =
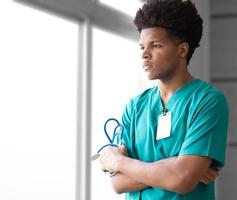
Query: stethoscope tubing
pixel 115 133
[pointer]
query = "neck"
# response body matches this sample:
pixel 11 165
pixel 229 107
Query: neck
pixel 168 87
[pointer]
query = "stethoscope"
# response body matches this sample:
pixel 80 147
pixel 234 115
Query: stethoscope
pixel 118 131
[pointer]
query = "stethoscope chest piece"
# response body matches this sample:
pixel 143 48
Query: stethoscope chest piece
pixel 95 157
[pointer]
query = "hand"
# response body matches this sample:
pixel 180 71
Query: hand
pixel 123 150
pixel 210 175
pixel 110 157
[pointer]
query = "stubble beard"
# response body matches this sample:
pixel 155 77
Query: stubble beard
pixel 165 75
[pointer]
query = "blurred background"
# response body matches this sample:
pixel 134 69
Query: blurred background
pixel 66 66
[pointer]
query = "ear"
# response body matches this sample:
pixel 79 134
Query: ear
pixel 183 49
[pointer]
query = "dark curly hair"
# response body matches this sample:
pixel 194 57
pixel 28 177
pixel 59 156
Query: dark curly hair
pixel 180 19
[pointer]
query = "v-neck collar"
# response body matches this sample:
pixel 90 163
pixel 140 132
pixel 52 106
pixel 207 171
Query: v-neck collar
pixel 179 90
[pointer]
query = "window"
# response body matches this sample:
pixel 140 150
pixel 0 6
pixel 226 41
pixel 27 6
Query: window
pixel 117 76
pixel 38 86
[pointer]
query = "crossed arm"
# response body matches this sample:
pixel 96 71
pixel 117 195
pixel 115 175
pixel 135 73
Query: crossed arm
pixel 178 174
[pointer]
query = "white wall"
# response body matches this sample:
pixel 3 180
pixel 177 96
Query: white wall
pixel 200 64
pixel 224 76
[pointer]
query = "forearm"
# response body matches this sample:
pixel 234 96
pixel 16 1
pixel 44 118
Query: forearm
pixel 164 174
pixel 122 183
pixel 156 175
pixel 178 174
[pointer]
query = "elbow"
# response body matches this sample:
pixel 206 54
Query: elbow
pixel 185 189
pixel 184 184
pixel 118 190
pixel 117 187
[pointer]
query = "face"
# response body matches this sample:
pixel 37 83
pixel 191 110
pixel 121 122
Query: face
pixel 161 55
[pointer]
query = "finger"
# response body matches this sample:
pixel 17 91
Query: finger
pixel 123 149
pixel 210 176
pixel 102 168
pixel 213 172
pixel 204 180
pixel 101 158
pixel 106 149
pixel 207 178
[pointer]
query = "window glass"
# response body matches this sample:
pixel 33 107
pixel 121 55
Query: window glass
pixel 38 86
pixel 117 77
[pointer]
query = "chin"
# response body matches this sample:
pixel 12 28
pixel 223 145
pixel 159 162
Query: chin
pixel 152 77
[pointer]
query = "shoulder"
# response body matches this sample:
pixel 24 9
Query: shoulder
pixel 206 94
pixel 207 90
pixel 143 97
pixel 138 102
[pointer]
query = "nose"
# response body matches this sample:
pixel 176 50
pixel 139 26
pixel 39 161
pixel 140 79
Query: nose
pixel 146 54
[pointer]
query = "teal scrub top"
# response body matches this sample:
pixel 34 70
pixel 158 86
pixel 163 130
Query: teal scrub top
pixel 198 127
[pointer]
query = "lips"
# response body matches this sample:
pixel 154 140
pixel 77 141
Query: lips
pixel 147 65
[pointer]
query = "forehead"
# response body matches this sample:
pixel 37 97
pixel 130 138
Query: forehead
pixel 153 34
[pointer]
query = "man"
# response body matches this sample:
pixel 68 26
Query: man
pixel 174 133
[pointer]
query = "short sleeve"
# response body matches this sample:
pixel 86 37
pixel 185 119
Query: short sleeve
pixel 126 123
pixel 207 129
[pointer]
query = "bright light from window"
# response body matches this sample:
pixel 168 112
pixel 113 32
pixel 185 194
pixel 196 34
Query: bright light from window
pixel 38 69
pixel 117 76
pixel 130 7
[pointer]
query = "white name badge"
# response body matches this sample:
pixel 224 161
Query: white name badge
pixel 164 126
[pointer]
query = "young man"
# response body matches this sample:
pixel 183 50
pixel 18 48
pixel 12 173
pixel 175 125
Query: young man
pixel 175 133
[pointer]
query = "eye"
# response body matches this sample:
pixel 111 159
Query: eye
pixel 157 45
pixel 141 47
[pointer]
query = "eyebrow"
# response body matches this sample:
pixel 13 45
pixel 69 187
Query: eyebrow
pixel 140 44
